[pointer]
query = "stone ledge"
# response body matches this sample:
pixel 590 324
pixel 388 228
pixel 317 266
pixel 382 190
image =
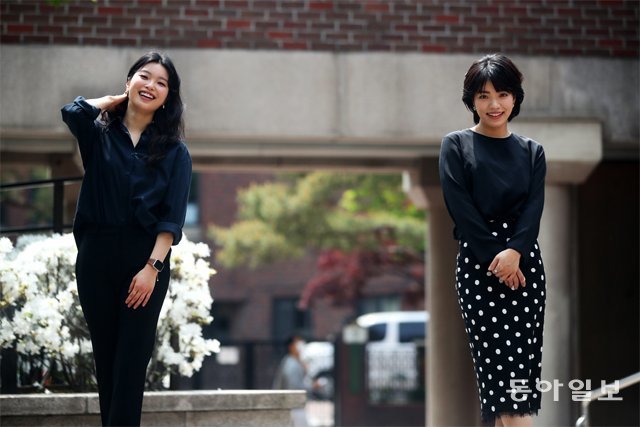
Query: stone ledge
pixel 155 402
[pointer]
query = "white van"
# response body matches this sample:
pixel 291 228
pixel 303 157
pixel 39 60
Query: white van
pixel 392 358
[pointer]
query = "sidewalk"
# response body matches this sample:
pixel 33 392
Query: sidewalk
pixel 319 413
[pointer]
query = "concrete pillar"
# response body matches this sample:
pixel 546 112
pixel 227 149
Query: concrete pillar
pixel 452 396
pixel 557 249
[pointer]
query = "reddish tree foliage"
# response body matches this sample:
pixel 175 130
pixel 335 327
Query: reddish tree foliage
pixel 342 276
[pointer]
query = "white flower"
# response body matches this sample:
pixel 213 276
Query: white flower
pixel 40 311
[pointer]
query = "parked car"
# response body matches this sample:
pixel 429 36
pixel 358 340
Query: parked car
pixel 391 351
pixel 391 354
pixel 318 358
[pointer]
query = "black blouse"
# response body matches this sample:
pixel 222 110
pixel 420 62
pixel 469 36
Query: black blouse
pixel 118 187
pixel 485 179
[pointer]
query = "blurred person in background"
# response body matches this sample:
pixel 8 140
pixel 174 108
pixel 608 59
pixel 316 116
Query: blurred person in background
pixel 292 375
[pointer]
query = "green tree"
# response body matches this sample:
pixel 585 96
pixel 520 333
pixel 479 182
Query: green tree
pixel 361 226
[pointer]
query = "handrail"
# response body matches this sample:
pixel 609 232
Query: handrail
pixel 625 382
pixel 58 225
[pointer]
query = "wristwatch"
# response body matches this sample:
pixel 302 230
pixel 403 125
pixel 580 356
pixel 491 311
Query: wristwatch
pixel 156 264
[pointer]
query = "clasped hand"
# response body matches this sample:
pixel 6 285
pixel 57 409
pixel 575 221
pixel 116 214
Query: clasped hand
pixel 505 266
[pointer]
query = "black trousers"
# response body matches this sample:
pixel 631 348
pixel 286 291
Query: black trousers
pixel 122 338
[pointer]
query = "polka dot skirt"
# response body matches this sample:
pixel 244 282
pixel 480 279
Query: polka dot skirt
pixel 504 328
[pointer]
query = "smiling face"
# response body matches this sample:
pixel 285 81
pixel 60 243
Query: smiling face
pixel 494 109
pixel 148 88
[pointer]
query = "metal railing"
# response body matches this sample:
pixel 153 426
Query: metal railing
pixel 57 225
pixel 606 389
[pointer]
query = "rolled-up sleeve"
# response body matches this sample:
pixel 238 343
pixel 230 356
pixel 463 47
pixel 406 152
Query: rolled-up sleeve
pixel 80 117
pixel 175 199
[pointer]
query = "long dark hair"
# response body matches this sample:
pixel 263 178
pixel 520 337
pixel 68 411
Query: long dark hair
pixel 167 127
pixel 502 73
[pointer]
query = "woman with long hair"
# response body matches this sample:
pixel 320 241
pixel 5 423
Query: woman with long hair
pixel 131 210
pixel 493 185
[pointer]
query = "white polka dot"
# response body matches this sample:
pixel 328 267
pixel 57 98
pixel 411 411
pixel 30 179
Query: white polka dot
pixel 535 300
pixel 518 334
pixel 493 408
pixel 535 245
pixel 494 233
pixel 488 361
pixel 464 244
pixel 494 320
pixel 478 297
pixel 466 275
pixel 496 335
pixel 506 326
pixel 466 291
pixel 499 368
pixel 542 293
pixel 482 328
pixel 526 309
pixel 497 352
pixel 489 288
pixel 535 285
pixel 502 399
pixel 510 358
pixel 501 295
pixel 515 406
pixel 488 273
pixel 508 342
pixel 504 224
pixel 516 318
pixel 528 325
pixel 477 282
pixel 508 238
pixel 542 277
pixel 519 350
pixel 480 312
pixel 529 341
pixel 513 374
pixel 521 366
pixel 504 311
pixel 477 266
pixel 480 368
pixel 501 383
pixel 537 324
pixel 469 306
pixel 532 254
pixel 466 260
pixel 514 302
pixel 491 393
pixel 485 344
pixel 492 304
pixel 473 322
pixel 475 337
pixel 524 294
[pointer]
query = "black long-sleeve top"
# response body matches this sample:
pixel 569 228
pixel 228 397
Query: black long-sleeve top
pixel 485 179
pixel 119 188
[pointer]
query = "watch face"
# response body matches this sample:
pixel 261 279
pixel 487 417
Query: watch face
pixel 158 265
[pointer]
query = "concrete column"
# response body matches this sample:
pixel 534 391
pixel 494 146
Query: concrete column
pixel 557 251
pixel 452 396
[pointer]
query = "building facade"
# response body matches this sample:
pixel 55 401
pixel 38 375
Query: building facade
pixel 374 85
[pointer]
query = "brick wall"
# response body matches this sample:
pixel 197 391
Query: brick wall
pixel 546 27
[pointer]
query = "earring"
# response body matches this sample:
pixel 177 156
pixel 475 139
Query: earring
pixel 163 106
pixel 474 108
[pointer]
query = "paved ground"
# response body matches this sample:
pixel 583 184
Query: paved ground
pixel 319 413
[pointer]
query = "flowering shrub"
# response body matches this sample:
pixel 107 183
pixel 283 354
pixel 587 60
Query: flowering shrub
pixel 40 313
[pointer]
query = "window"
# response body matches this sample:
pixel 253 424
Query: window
pixel 289 320
pixel 193 205
pixel 411 331
pixel 377 332
pixel 373 304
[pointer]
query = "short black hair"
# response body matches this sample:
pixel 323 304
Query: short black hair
pixel 502 73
